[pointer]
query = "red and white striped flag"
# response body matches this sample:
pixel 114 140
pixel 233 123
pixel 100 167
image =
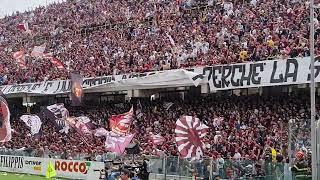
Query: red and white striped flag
pixel 56 62
pixel 38 51
pixel 157 139
pixel 190 133
pixel 20 57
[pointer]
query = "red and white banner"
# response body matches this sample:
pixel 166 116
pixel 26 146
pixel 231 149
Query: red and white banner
pixel 38 51
pixel 117 143
pixel 5 128
pixel 121 123
pixel 56 62
pixel 157 139
pixel 190 133
pixel 80 124
pixel 20 57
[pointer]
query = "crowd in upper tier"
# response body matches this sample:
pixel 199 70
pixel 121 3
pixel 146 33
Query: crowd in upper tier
pixel 103 37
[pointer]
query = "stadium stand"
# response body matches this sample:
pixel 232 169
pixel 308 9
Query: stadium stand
pixel 113 37
pixel 108 37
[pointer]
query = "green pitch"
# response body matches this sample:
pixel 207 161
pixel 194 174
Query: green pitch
pixel 15 176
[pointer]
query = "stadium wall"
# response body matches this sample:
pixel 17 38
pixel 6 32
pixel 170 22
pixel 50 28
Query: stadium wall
pixel 64 168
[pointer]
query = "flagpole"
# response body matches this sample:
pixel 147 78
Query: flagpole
pixel 312 94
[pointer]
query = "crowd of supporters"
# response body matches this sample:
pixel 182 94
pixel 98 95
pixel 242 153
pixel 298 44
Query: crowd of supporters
pixel 103 37
pixel 240 127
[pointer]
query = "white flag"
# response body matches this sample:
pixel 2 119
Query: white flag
pixel 38 51
pixel 32 121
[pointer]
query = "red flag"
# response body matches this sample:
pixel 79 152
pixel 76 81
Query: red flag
pixel 117 143
pixel 5 127
pixel 20 57
pixel 23 27
pixel 121 123
pixel 157 139
pixel 56 62
pixel 190 133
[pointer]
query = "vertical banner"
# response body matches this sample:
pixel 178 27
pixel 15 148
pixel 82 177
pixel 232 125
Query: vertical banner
pixel 76 89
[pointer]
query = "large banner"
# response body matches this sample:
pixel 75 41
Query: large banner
pixel 257 74
pixel 64 168
pixel 219 77
pixel 112 83
pixel 76 89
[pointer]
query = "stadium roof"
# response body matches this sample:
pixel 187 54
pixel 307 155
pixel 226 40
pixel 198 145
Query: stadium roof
pixel 7 7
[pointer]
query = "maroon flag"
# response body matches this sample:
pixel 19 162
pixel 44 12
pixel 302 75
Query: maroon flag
pixel 5 127
pixel 121 123
pixel 23 27
pixel 76 89
pixel 190 133
pixel 117 143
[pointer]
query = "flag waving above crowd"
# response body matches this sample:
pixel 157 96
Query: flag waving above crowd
pixel 5 127
pixel 117 143
pixel 190 133
pixel 58 114
pixel 157 139
pixel 121 123
pixel 81 124
pixel 32 121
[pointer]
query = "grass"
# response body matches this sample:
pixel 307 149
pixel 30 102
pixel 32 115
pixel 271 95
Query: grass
pixel 15 176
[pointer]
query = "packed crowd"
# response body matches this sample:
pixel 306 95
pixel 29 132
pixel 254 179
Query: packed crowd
pixel 240 127
pixel 103 37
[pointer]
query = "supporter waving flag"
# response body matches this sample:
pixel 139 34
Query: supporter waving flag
pixel 38 51
pixel 24 27
pixel 81 124
pixel 32 121
pixel 157 139
pixel 20 58
pixel 58 114
pixel 55 61
pixel 190 133
pixel 121 123
pixel 5 127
